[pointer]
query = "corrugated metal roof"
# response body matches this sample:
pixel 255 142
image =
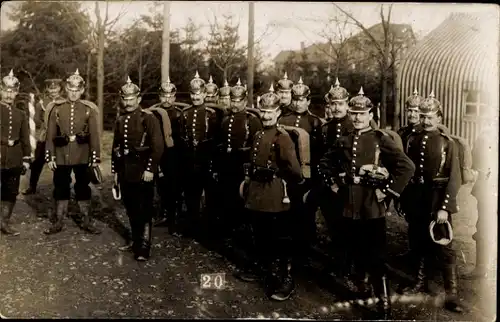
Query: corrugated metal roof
pixel 456 56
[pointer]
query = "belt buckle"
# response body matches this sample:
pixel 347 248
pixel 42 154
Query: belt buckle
pixel 195 142
pixel 356 179
pixel 72 138
pixel 126 151
pixel 421 180
pixel 10 142
pixel 229 150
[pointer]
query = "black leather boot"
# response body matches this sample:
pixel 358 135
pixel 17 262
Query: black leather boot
pixel 88 223
pixel 57 217
pixel 451 287
pixel 144 250
pixel 285 283
pixel 6 214
pixel 421 285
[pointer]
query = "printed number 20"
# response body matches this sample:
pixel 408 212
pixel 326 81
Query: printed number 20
pixel 212 281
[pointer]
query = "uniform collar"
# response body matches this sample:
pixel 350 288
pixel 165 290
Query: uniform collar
pixel 362 131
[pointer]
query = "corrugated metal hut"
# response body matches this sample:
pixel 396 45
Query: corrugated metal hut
pixel 459 61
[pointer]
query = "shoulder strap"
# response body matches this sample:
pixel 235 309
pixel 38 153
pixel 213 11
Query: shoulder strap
pixel 165 122
pixel 91 105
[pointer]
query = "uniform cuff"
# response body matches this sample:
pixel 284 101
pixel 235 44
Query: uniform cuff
pixel 27 159
pixel 446 204
pixel 149 167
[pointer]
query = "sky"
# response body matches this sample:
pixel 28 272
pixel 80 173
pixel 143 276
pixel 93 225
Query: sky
pixel 285 25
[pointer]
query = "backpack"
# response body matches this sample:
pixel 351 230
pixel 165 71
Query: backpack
pixel 464 155
pixel 392 134
pixel 164 122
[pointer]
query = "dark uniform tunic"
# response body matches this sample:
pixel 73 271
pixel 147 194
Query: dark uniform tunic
pixel 14 149
pixel 236 136
pixel 364 216
pixel 73 142
pixel 273 160
pixel 434 186
pixel 200 127
pixel 137 147
pixel 405 133
pixel 41 121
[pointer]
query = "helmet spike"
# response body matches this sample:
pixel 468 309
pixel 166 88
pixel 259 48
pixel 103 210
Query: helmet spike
pixel 11 73
pixel 197 75
pixel 271 89
pixel 300 80
pixel 168 79
pixel 226 83
pixel 431 95
pixel 415 91
pixel 128 80
pixel 337 83
pixel 238 83
pixel 285 76
pixel 210 80
pixel 77 73
pixel 361 91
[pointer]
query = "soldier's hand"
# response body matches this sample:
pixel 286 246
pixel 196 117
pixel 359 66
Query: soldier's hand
pixel 442 216
pixel 335 188
pixel 148 176
pixel 215 176
pixel 52 165
pixel 380 195
pixel 26 165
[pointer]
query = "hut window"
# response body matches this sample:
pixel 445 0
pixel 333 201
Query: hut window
pixel 475 102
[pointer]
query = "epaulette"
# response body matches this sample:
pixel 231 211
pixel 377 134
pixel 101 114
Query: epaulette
pixel 444 132
pixel 187 108
pixel 380 132
pixel 282 130
pixel 209 109
pixel 147 111
pixel 91 105
pixel 181 105
pixel 253 111
pixel 153 106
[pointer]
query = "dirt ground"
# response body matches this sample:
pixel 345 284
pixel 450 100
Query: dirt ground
pixel 77 275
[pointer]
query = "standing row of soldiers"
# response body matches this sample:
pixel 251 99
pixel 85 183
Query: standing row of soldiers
pixel 271 167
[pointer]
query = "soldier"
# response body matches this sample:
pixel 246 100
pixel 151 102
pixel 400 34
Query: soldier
pixel 366 169
pixel 273 160
pixel 238 132
pixel 299 117
pixel 285 93
pixel 138 146
pixel 225 96
pixel 72 145
pixel 339 124
pixel 198 134
pixel 431 197
pixel 53 89
pixel 413 118
pixel 15 150
pixel 169 114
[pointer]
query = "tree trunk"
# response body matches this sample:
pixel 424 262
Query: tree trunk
pixel 395 97
pixel 100 65
pixel 250 55
pixel 89 62
pixel 140 66
pixel 225 74
pixel 165 48
pixel 383 107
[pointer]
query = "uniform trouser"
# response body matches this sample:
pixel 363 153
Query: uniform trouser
pixel 194 182
pixel 170 187
pixel 37 164
pixel 365 240
pixel 273 234
pixel 62 182
pixel 138 201
pixel 10 183
pixel 230 205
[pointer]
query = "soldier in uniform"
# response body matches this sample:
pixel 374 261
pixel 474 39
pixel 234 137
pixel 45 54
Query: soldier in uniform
pixel 365 169
pixel 15 150
pixel 237 134
pixel 72 145
pixel 413 118
pixel 432 196
pixel 225 96
pixel 308 153
pixel 200 126
pixel 285 92
pixel 138 146
pixel 273 160
pixel 169 113
pixel 53 89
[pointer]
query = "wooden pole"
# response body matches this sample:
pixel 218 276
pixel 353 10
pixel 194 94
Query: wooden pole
pixel 165 53
pixel 250 58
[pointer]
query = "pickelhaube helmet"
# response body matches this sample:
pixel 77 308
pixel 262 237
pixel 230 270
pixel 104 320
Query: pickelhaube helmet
pixel 53 85
pixel 360 103
pixel 10 82
pixel 270 101
pixel 225 91
pixel 167 88
pixel 284 84
pixel 336 93
pixel 211 88
pixel 300 90
pixel 75 82
pixel 238 92
pixel 197 85
pixel 430 105
pixel 129 90
pixel 413 102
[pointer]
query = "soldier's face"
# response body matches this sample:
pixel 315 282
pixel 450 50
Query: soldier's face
pixel 413 116
pixel 285 97
pixel 338 109
pixel 54 93
pixel 9 96
pixel 198 98
pixel 301 105
pixel 225 102
pixel 167 101
pixel 270 118
pixel 361 120
pixel 130 104
pixel 237 106
pixel 74 95
pixel 430 122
